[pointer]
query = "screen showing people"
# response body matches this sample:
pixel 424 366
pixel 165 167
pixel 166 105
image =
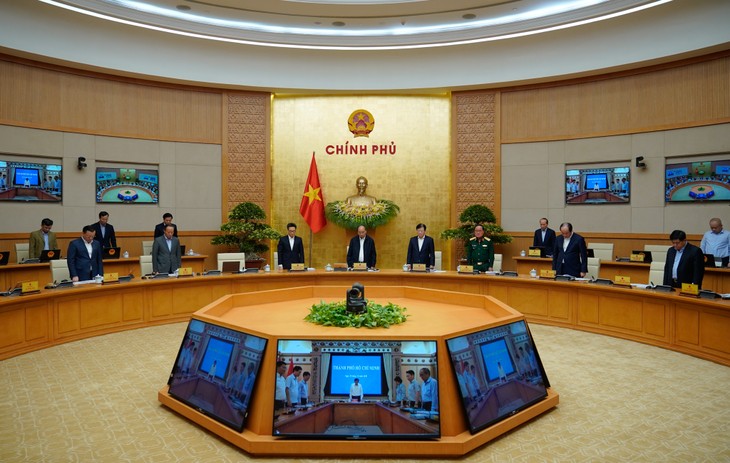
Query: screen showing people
pixel 356 389
pixel 128 185
pixel 597 185
pixel 30 181
pixel 215 371
pixel 697 181
pixel 498 372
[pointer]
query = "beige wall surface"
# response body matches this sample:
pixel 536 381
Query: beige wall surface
pixel 533 181
pixel 417 177
pixel 190 181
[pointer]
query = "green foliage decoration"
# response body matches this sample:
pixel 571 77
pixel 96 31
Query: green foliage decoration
pixel 350 217
pixel 246 231
pixel 469 218
pixel 376 315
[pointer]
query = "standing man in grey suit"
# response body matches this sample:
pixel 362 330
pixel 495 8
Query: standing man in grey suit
pixel 84 256
pixel 166 252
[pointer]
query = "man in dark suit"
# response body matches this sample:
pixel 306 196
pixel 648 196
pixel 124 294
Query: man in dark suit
pixel 105 231
pixel 544 237
pixel 362 249
pixel 685 262
pixel 570 253
pixel 160 227
pixel 166 256
pixel 84 256
pixel 421 249
pixel 290 248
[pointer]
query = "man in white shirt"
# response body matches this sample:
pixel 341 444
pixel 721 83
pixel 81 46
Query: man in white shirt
pixel 362 249
pixel 356 391
pixel 421 249
pixel 290 248
pixel 281 396
pixel 84 256
pixel 292 385
pixel 304 388
pixel 429 391
pixel 716 241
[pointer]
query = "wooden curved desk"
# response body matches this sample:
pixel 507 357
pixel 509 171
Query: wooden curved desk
pixel 693 326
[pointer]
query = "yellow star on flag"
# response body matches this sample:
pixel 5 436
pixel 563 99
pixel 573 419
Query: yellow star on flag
pixel 312 194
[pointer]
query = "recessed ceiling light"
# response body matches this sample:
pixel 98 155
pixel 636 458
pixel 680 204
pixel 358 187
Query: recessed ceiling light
pixel 183 7
pixel 469 16
pixel 338 23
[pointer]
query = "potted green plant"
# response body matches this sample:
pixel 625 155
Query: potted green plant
pixel 469 218
pixel 247 232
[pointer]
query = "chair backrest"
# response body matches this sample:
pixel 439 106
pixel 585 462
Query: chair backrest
pixel 656 271
pixel 147 248
pixel 497 266
pixel 22 251
pixel 594 266
pixel 603 251
pixel 59 270
pixel 658 252
pixel 437 260
pixel 145 265
pixel 239 257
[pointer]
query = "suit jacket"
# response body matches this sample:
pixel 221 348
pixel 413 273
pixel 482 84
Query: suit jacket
pixel 160 229
pixel 368 251
pixel 287 255
pixel 548 244
pixel 691 267
pixel 79 263
pixel 165 260
pixel 110 238
pixel 426 255
pixel 36 243
pixel 572 261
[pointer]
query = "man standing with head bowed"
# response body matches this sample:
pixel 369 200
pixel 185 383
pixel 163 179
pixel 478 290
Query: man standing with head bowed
pixel 362 249
pixel 685 262
pixel 570 255
pixel 290 248
pixel 42 240
pixel 160 227
pixel 544 237
pixel 105 231
pixel 421 249
pixel 84 256
pixel 166 252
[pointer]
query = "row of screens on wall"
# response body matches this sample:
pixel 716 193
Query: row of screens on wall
pixel 43 182
pixel 396 395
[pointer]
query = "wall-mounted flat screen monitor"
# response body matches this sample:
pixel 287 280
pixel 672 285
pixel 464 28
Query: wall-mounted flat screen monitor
pixel 499 373
pixel 697 181
pixel 215 371
pixel 127 185
pixel 355 389
pixel 597 185
pixel 30 181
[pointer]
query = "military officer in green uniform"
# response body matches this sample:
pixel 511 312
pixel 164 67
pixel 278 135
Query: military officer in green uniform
pixel 480 251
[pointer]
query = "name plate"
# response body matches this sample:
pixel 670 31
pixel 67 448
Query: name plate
pixel 418 267
pixel 534 253
pixel 110 278
pixel 637 257
pixel 547 273
pixel 185 272
pixel 622 280
pixel 466 269
pixel 359 266
pixel 29 287
pixel 297 267
pixel 690 289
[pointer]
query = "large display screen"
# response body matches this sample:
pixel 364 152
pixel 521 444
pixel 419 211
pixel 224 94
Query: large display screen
pixel 30 181
pixel 355 389
pixel 499 373
pixel 697 181
pixel 215 371
pixel 597 185
pixel 127 185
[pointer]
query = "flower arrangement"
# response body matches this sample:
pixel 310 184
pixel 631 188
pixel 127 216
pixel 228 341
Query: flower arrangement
pixel 376 315
pixel 350 216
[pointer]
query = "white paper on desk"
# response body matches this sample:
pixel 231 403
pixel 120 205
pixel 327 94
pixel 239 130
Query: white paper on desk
pixel 725 296
pixel 85 282
pixel 490 272
pixel 640 286
pixel 582 279
pixel 311 269
pixel 438 271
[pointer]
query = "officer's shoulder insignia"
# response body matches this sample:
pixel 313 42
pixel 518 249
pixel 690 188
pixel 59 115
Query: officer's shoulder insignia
pixel 487 238
pixel 472 238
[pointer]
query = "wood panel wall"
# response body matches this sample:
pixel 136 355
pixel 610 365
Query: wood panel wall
pixel 684 94
pixel 48 97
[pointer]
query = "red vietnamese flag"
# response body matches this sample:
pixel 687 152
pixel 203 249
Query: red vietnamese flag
pixel 312 206
pixel 290 370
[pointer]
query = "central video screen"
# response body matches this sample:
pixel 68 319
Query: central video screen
pixel 215 371
pixel 356 389
pixel 499 373
pixel 127 185
pixel 598 185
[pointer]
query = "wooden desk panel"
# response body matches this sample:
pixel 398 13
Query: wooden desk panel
pixel 637 271
pixel 525 264
pixel 13 273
